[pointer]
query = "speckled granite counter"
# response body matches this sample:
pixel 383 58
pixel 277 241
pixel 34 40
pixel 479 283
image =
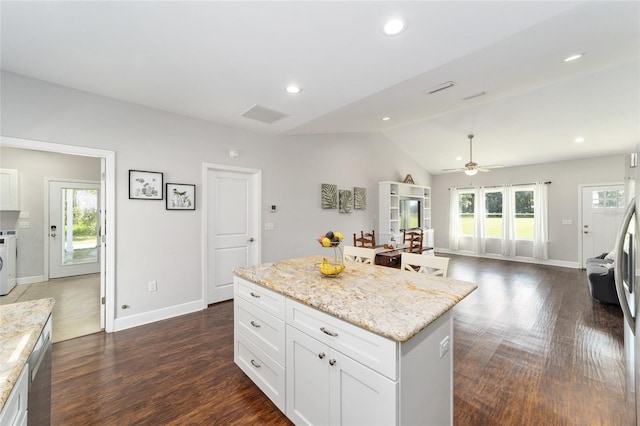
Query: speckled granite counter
pixel 20 327
pixel 390 302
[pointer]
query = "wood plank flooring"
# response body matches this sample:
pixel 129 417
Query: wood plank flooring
pixel 530 348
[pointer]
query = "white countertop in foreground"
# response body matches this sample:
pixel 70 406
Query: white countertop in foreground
pixel 393 303
pixel 20 326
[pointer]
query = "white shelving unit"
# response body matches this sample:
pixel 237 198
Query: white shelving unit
pixel 389 196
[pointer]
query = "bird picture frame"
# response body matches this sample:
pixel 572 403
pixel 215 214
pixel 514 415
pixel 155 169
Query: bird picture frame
pixel 181 196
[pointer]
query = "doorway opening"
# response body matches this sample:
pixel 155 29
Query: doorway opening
pixel 77 249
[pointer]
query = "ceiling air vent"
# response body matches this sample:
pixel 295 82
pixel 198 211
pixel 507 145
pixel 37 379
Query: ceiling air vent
pixel 439 87
pixel 264 114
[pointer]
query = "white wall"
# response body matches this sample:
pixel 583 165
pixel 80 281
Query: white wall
pixel 566 176
pixel 153 244
pixel 33 167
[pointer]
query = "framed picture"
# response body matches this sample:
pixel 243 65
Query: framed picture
pixel 345 200
pixel 181 196
pixel 360 198
pixel 145 185
pixel 329 196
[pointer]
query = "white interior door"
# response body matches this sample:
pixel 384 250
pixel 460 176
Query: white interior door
pixel 74 243
pixel 602 211
pixel 232 228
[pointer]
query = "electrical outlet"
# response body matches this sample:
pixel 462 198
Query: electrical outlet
pixel 24 224
pixel 153 285
pixel 444 346
pixel 24 215
pixel 268 226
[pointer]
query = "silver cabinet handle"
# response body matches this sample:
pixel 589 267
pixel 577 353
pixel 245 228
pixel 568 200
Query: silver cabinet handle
pixel 255 364
pixel 257 296
pixel 255 324
pixel 332 361
pixel 328 332
pixel 321 355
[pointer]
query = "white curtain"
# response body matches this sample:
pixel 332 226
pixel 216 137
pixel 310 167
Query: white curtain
pixel 479 241
pixel 454 214
pixel 508 222
pixel 540 221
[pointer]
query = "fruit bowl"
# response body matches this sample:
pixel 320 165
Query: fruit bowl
pixel 330 269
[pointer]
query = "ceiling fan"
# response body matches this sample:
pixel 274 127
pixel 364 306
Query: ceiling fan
pixel 471 168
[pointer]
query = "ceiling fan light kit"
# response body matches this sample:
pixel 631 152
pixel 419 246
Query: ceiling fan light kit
pixel 472 168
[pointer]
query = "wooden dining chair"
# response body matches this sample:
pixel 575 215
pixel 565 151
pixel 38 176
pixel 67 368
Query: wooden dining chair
pixel 359 254
pixel 431 265
pixel 365 240
pixel 414 240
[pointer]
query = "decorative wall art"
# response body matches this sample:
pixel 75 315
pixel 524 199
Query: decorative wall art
pixel 145 185
pixel 408 179
pixel 181 196
pixel 360 198
pixel 329 196
pixel 346 200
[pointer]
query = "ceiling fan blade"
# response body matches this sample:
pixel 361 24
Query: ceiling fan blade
pixel 492 167
pixel 488 168
pixel 453 170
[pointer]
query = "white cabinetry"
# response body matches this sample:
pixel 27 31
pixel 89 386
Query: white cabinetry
pixel 327 387
pixel 14 412
pixel 320 370
pixel 390 195
pixel 9 200
pixel 259 343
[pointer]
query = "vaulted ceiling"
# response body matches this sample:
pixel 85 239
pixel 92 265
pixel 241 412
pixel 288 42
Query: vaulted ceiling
pixel 215 60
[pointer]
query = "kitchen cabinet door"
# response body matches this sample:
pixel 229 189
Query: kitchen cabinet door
pixel 326 387
pixel 307 390
pixel 359 395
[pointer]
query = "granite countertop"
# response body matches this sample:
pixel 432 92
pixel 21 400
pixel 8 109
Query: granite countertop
pixel 20 326
pixel 392 303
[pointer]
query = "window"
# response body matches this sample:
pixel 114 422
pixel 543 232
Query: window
pixel 524 219
pixel 493 214
pixel 608 199
pixel 467 209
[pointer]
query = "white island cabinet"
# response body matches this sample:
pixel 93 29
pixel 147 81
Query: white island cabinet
pixel 372 346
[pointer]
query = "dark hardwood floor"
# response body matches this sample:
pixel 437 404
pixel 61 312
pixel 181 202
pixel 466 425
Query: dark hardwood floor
pixel 530 348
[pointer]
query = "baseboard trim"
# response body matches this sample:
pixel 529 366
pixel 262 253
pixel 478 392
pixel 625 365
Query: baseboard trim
pixel 30 280
pixel 157 315
pixel 551 262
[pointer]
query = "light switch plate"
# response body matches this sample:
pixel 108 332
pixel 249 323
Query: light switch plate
pixel 269 226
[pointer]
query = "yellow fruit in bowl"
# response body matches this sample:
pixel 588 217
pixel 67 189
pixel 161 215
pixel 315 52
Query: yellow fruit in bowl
pixel 330 269
pixel 339 235
pixel 326 242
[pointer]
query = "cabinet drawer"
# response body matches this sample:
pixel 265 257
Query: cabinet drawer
pixel 15 408
pixel 370 349
pixel 264 298
pixel 267 374
pixel 264 330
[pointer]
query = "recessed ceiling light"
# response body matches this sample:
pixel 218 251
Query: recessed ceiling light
pixel 395 26
pixel 574 57
pixel 386 118
pixel 293 89
pixel 579 139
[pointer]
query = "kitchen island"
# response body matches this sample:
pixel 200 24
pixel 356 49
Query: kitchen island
pixel 370 346
pixel 21 327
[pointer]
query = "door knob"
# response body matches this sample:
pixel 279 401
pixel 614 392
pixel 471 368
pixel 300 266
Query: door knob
pixel 53 230
pixel 251 240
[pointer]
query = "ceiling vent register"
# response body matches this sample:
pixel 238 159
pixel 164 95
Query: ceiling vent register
pixel 264 114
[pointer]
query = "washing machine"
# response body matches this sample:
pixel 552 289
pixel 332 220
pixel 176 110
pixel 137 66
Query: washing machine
pixel 7 263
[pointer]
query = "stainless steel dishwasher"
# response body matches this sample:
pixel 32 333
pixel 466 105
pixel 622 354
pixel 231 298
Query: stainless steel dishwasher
pixel 39 403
